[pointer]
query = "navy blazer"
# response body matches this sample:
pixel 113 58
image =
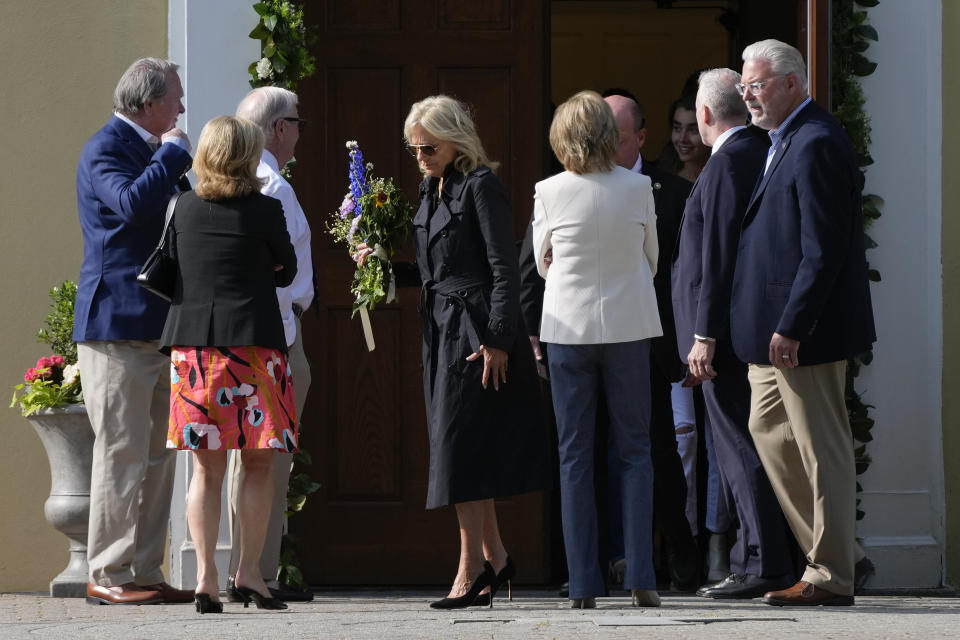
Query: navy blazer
pixel 226 282
pixel 801 269
pixel 706 253
pixel 122 194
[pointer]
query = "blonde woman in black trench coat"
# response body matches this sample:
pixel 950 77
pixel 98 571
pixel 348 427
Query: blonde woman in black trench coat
pixel 487 437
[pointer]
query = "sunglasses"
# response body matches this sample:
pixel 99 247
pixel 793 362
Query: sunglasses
pixel 301 123
pixel 426 149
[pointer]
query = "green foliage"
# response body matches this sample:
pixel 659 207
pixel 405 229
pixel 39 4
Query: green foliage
pixel 54 381
pixel 851 38
pixel 284 45
pixel 299 487
pixel 59 330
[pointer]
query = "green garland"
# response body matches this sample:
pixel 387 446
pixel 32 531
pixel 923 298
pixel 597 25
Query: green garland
pixel 285 61
pixel 851 38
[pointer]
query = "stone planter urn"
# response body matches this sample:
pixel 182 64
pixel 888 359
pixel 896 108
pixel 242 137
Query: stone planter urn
pixel 68 438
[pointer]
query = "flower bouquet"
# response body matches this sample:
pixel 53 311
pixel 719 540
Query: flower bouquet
pixel 375 212
pixel 55 380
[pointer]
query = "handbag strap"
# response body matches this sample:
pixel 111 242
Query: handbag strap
pixel 169 217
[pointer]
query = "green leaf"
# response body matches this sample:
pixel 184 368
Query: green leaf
pixel 270 22
pixel 269 50
pixel 873 199
pixel 866 357
pixel 860 514
pixel 259 32
pixel 261 8
pixel 859 46
pixel 873 275
pixel 862 66
pixel 252 69
pixel 869 243
pixel 868 32
pixel 867 3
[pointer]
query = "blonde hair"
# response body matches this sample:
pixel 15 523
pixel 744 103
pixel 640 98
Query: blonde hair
pixel 228 153
pixel 584 134
pixel 449 120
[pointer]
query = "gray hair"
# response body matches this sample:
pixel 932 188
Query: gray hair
pixel 264 105
pixel 449 120
pixel 145 79
pixel 717 91
pixel 783 58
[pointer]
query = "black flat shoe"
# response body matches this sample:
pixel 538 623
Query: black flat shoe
pixel 205 604
pixel 506 575
pixel 260 600
pixel 481 582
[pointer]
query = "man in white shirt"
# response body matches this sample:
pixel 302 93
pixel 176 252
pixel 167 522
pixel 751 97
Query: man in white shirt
pixel 275 110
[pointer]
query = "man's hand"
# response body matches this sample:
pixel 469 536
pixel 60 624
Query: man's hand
pixel 176 132
pixel 700 359
pixel 494 364
pixel 783 352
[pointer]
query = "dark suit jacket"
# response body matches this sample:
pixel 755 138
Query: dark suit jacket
pixel 226 287
pixel 706 250
pixel 669 196
pixel 122 194
pixel 801 269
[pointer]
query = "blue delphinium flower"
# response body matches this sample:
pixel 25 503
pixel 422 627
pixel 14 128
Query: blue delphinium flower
pixel 358 172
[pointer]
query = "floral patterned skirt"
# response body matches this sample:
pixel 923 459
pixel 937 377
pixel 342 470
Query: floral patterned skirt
pixel 231 398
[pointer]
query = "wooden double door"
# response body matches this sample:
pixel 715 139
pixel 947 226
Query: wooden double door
pixel 364 422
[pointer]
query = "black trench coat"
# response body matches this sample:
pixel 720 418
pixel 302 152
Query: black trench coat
pixel 483 443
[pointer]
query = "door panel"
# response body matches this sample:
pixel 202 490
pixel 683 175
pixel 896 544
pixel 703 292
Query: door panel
pixel 364 422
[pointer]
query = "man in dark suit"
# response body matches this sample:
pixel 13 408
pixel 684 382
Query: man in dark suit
pixel 800 307
pixel 702 274
pixel 669 484
pixel 127 172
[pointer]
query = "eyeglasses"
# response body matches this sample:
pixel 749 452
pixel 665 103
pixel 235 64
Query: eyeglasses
pixel 301 123
pixel 426 149
pixel 756 88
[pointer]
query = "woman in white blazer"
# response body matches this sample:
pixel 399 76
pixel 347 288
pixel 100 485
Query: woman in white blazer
pixel 595 242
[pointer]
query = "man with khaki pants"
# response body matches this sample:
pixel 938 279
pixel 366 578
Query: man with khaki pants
pixel 275 110
pixel 800 307
pixel 128 171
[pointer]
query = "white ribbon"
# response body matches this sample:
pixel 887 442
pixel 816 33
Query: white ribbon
pixel 367 329
pixel 381 253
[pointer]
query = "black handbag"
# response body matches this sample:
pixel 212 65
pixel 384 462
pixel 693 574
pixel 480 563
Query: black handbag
pixel 159 273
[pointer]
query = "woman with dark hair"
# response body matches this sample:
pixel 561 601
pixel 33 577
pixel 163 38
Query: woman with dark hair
pixel 230 386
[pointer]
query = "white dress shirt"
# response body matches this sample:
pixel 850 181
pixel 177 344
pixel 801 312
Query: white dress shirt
pixel 152 140
pixel 300 291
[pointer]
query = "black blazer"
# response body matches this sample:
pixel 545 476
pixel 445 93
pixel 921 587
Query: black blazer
pixel 669 196
pixel 706 250
pixel 801 269
pixel 226 285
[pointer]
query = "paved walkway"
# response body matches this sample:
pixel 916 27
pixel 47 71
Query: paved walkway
pixel 532 615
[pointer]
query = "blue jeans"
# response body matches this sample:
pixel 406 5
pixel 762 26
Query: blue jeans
pixel 578 373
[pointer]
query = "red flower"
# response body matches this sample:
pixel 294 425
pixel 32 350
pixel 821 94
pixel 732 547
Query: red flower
pixel 56 361
pixel 43 363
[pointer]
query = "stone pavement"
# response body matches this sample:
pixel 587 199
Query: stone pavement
pixel 404 614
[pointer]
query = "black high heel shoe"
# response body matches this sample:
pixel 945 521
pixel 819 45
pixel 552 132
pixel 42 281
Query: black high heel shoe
pixel 506 575
pixel 262 602
pixel 484 580
pixel 205 604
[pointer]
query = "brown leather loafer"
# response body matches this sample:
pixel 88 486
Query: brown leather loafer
pixel 170 595
pixel 128 593
pixel 805 594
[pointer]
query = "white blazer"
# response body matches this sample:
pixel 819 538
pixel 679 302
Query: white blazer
pixel 603 232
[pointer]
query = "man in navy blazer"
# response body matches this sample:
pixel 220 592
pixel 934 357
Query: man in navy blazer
pixel 127 172
pixel 800 307
pixel 702 273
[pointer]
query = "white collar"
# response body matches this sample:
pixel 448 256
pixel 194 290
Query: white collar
pixel 724 136
pixel 638 165
pixel 270 160
pixel 143 133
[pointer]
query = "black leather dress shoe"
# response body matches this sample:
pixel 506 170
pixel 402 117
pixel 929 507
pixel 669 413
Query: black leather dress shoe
pixel 713 585
pixel 745 586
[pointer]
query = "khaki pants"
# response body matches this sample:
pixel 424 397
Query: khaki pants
pixel 799 423
pixel 126 389
pixel 270 556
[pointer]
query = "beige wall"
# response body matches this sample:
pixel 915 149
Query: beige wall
pixel 62 60
pixel 951 288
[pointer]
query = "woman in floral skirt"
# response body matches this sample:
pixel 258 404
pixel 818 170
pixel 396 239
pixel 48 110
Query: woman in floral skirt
pixel 230 383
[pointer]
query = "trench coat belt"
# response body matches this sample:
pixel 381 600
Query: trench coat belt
pixel 455 289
